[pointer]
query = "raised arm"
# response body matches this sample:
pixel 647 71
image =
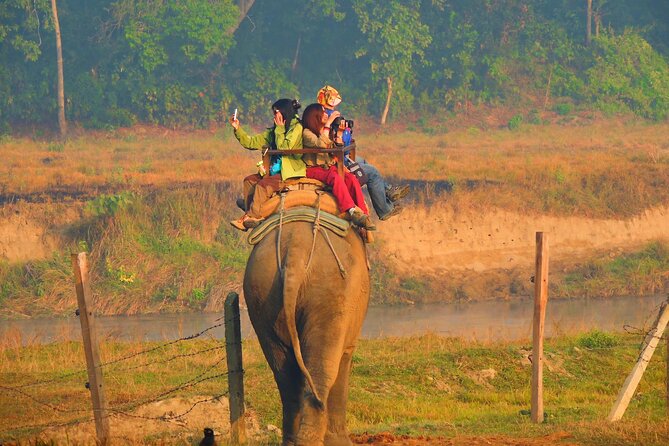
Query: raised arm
pixel 253 142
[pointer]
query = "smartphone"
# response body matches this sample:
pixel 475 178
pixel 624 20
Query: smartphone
pixel 234 115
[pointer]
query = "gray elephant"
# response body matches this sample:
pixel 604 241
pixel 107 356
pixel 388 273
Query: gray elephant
pixel 308 318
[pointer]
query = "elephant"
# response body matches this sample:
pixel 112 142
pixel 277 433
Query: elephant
pixel 307 305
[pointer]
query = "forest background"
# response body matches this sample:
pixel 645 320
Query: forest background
pixel 187 63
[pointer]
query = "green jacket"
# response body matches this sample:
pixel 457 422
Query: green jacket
pixel 292 166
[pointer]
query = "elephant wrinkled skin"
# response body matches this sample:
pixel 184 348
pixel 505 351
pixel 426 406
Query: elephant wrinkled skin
pixel 308 322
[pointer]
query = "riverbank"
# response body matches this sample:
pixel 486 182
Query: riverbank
pixel 433 389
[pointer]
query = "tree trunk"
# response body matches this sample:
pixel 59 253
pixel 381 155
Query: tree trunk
pixel 547 95
pixel 297 55
pixel 588 28
pixel 384 115
pixel 244 7
pixel 598 22
pixel 62 123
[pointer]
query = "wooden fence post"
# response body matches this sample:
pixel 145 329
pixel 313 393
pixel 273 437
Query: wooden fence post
pixel 652 339
pixel 233 347
pixel 87 319
pixel 540 299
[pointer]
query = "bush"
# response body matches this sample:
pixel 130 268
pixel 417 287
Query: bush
pixel 563 109
pixel 515 122
pixel 108 205
pixel 597 339
pixel 261 84
pixel 626 71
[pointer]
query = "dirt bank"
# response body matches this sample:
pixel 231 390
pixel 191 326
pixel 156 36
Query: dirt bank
pixel 420 240
pixel 443 252
pixel 438 240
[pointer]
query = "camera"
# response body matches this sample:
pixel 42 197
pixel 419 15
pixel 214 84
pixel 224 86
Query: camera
pixel 340 122
pixel 341 131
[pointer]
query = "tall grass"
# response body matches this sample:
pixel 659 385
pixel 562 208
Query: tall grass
pixel 161 251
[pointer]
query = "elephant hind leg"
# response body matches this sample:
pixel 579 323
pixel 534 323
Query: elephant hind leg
pixel 323 360
pixel 337 433
pixel 289 380
pixel 291 387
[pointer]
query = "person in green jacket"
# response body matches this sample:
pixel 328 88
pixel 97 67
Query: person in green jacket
pixel 286 134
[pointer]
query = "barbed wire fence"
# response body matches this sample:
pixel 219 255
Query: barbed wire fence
pixel 215 371
pixel 22 390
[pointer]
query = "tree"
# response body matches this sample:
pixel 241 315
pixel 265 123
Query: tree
pixel 588 27
pixel 395 37
pixel 62 123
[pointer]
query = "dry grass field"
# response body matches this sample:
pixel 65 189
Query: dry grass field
pixel 605 167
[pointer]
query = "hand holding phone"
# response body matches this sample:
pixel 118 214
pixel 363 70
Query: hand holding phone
pixel 234 121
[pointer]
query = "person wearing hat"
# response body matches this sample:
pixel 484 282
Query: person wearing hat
pixel 385 198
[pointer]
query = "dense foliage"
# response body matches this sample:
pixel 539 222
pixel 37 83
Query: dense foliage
pixel 187 62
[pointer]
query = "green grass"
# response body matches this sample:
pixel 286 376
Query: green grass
pixel 161 251
pixel 641 272
pixel 426 385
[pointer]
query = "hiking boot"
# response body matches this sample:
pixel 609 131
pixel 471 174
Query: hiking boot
pixel 359 218
pixel 246 222
pixel 394 211
pixel 368 224
pixel 250 222
pixel 240 204
pixel 239 223
pixel 395 193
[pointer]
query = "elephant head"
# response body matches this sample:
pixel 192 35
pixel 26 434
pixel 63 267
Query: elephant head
pixel 307 293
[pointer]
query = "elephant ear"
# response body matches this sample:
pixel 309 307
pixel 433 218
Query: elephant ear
pixel 294 275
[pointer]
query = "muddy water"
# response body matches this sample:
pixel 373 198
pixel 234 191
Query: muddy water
pixel 482 321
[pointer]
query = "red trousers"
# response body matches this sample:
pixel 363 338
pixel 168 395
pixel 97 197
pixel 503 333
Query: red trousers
pixel 346 190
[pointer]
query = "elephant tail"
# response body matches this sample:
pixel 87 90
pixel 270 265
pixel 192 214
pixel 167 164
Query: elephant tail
pixel 293 278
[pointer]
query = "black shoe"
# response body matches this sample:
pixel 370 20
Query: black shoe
pixel 394 211
pixel 240 204
pixel 396 193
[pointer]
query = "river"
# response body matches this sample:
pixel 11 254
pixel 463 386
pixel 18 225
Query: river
pixel 484 321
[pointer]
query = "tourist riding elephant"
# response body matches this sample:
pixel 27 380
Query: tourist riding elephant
pixel 308 314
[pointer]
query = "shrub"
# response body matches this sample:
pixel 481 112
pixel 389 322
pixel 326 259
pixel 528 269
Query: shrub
pixel 597 339
pixel 108 205
pixel 627 71
pixel 515 122
pixel 563 109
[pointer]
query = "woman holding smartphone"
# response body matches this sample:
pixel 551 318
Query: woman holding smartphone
pixel 286 134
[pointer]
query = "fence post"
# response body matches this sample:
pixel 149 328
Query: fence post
pixel 540 299
pixel 87 319
pixel 650 343
pixel 233 347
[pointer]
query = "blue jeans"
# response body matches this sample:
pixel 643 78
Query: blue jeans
pixel 376 186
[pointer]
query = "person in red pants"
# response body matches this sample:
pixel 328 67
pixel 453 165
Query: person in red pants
pixel 323 167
